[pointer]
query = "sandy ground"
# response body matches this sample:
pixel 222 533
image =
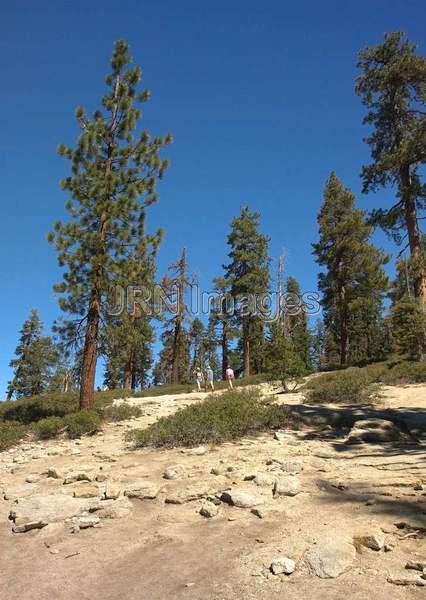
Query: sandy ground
pixel 162 551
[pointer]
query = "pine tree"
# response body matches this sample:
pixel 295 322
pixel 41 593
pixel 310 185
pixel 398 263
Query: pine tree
pixel 36 356
pixel 175 333
pixel 114 173
pixel 197 339
pixel 282 360
pixel 220 320
pixel 296 321
pixel 393 88
pixel 353 282
pixel 408 323
pixel 248 277
pixel 129 336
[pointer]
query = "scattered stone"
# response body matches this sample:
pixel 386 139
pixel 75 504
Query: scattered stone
pixel 28 526
pixel 264 479
pixel 188 495
pixel 86 490
pixel 54 551
pixel 174 472
pixel 241 499
pixel 77 476
pixel 112 491
pixel 331 557
pixel 416 565
pixel 406 581
pixel 84 522
pixel 101 477
pixel 258 512
pixel 55 473
pixel 291 466
pixel 143 490
pixel 373 539
pixel 19 491
pixel 200 451
pixel 32 478
pixel 388 548
pixel 280 436
pixel 283 564
pixel 288 486
pixel 209 510
pixel 46 509
pixel 373 431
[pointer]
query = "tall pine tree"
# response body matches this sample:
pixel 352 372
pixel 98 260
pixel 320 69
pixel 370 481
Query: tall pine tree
pixel 248 277
pixel 392 86
pixel 353 282
pixel 36 357
pixel 113 180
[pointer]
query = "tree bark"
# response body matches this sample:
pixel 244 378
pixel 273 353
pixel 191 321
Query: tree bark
pixel 88 368
pixel 344 335
pixel 127 379
pixel 414 235
pixel 246 348
pixel 224 344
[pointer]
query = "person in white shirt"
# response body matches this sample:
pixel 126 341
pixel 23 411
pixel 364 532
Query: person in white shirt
pixel 230 376
pixel 198 374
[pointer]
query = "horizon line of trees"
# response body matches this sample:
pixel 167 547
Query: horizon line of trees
pixel 114 171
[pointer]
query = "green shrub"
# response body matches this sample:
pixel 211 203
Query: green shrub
pixel 49 427
pixel 121 412
pixel 219 418
pixel 406 372
pixel 10 433
pixel 350 386
pixel 79 423
pixel 34 408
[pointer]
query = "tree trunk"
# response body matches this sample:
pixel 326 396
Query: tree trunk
pixel 127 379
pixel 176 353
pixel 224 344
pixel 88 368
pixel 414 235
pixel 246 348
pixel 344 335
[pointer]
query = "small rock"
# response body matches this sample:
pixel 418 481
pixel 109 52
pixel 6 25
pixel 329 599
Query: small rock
pixel 112 491
pixel 86 490
pixel 143 490
pixel 29 525
pixel 331 557
pixel 373 431
pixel 32 478
pixel 416 565
pixel 209 510
pixel 241 499
pixel 174 472
pixel 373 539
pixel 388 548
pixel 291 466
pixel 288 486
pixel 55 473
pixel 85 521
pixel 283 564
pixel 101 477
pixel 264 479
pixel 280 436
pixel 258 512
pixel 77 476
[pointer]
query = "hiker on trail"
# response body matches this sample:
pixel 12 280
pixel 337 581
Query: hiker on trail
pixel 230 376
pixel 209 377
pixel 198 374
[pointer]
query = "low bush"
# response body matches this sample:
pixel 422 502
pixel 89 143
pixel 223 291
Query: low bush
pixel 34 408
pixel 10 434
pixel 218 419
pixel 353 386
pixel 405 372
pixel 79 423
pixel 49 427
pixel 121 412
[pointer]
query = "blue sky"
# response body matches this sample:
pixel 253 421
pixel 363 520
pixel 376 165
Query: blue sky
pixel 259 99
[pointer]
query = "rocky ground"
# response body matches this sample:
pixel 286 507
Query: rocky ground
pixel 291 514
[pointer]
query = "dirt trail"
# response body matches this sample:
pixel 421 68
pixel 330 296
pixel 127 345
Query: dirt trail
pixel 153 549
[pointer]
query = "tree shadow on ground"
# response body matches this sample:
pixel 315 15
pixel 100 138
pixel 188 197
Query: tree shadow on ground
pixel 412 512
pixel 332 423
